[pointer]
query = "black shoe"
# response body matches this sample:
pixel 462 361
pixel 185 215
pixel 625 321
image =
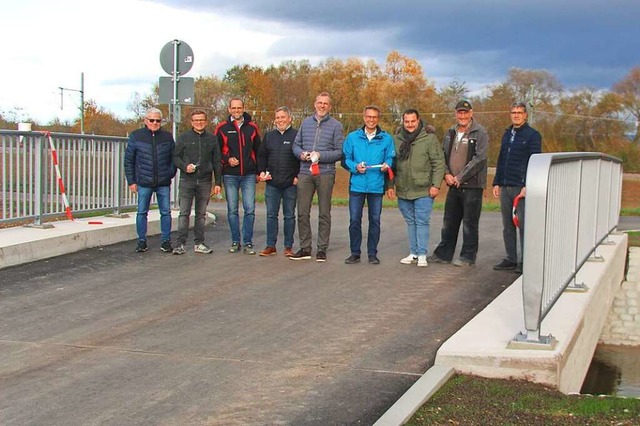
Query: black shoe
pixel 505 265
pixel 301 254
pixel 321 256
pixel 166 246
pixel 141 247
pixel 518 269
pixel 354 258
pixel 435 259
pixel 463 262
pixel 373 259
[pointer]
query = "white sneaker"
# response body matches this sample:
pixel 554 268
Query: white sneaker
pixel 412 258
pixel 422 260
pixel 202 248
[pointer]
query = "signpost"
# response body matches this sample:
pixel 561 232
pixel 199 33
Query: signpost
pixel 176 59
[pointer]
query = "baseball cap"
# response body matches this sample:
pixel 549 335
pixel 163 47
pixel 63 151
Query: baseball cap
pixel 463 105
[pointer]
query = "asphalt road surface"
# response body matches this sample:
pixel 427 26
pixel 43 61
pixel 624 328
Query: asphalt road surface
pixel 112 337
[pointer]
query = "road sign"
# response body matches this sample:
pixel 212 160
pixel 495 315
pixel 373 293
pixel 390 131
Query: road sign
pixel 176 49
pixel 185 90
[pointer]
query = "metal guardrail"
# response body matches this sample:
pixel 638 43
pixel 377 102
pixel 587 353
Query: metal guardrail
pixel 573 203
pixel 91 169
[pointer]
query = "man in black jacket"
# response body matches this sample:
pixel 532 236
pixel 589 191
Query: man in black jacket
pixel 197 155
pixel 239 140
pixel 519 143
pixel 279 167
pixel 148 165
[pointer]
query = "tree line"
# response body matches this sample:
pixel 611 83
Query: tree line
pixel 575 120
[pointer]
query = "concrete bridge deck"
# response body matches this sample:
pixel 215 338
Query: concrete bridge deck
pixel 109 336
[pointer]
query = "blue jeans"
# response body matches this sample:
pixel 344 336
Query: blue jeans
pixel 417 214
pixel 273 197
pixel 374 207
pixel 462 206
pixel 233 185
pixel 144 199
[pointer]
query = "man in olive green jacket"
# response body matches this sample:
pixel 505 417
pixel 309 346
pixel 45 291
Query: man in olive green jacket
pixel 419 168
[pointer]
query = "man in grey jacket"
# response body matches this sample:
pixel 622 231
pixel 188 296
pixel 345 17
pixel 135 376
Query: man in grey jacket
pixel 465 151
pixel 318 145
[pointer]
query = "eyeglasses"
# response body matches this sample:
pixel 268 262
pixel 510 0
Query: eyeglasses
pixel 154 120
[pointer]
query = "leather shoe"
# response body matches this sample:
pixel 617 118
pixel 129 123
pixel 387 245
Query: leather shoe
pixel 269 251
pixel 354 258
pixel 288 251
pixel 373 259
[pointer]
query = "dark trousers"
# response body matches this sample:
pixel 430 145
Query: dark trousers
pixel 509 231
pixel 356 206
pixel 191 189
pixel 462 206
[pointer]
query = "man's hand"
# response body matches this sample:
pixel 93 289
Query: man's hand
pixel 191 168
pixel 449 179
pixel 233 161
pixel 361 167
pixel 384 167
pixel 496 191
pixel 216 190
pixel 391 193
pixel 523 192
pixel 434 191
pixel 133 188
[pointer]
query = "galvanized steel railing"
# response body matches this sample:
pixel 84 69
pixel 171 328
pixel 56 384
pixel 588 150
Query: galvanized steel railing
pixel 573 203
pixel 91 169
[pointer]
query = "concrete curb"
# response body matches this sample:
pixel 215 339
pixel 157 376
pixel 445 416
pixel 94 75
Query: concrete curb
pixel 23 245
pixel 427 385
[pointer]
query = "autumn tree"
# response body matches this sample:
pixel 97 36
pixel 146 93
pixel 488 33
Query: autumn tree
pixel 629 91
pixel 99 121
pixel 538 87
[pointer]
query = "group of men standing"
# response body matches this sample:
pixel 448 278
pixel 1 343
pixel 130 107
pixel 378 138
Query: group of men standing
pixel 296 165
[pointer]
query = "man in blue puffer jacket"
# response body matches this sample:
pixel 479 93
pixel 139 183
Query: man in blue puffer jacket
pixel 519 143
pixel 368 154
pixel 148 165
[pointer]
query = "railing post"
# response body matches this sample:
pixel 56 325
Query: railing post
pixel 39 185
pixel 118 181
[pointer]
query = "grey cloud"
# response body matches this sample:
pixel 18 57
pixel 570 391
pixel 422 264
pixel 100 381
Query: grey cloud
pixel 583 42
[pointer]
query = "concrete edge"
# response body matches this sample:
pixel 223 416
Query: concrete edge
pixel 427 385
pixel 72 236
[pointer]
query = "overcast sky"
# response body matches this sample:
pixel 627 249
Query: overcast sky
pixel 116 43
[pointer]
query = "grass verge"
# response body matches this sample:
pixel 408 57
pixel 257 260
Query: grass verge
pixel 470 400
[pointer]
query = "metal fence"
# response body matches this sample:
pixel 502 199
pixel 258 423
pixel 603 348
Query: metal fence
pixel 573 203
pixel 91 175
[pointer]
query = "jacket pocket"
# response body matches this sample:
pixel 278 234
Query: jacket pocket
pixel 421 179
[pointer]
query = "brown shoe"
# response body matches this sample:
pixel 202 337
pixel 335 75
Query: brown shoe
pixel 288 251
pixel 269 251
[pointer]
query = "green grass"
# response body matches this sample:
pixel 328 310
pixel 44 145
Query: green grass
pixel 634 238
pixel 630 211
pixel 468 400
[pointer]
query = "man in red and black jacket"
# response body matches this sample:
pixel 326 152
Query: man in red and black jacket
pixel 239 140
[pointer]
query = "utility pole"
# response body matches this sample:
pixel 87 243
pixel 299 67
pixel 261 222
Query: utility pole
pixel 81 100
